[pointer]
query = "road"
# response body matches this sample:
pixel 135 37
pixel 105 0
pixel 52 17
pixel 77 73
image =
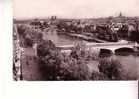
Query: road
pixel 30 67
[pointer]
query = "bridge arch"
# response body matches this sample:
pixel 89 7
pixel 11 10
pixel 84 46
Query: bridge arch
pixel 124 51
pixel 105 52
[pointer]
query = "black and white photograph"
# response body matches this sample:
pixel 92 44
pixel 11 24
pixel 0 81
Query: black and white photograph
pixel 75 40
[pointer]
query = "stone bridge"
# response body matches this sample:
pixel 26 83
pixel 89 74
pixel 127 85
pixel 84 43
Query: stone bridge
pixel 113 47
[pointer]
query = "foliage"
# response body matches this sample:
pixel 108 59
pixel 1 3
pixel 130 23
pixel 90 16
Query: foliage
pixel 78 51
pixel 21 29
pixel 123 32
pixel 45 48
pixel 29 35
pixel 34 35
pixel 58 66
pixel 134 36
pixel 73 69
pixel 28 42
pixel 112 69
pixel 98 76
pixel 49 58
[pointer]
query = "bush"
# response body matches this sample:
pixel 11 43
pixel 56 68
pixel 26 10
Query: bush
pixel 112 69
pixel 98 76
pixel 73 69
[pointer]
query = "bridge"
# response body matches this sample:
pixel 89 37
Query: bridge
pixel 113 47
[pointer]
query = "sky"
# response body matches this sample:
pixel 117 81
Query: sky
pixel 74 8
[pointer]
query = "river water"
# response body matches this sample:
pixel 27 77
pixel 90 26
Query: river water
pixel 60 39
pixel 130 62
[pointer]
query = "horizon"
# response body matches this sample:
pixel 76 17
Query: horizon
pixel 77 9
pixel 48 17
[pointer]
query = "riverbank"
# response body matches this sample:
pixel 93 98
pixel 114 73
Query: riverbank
pixel 82 36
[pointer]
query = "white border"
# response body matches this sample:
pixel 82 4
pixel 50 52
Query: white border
pixel 51 90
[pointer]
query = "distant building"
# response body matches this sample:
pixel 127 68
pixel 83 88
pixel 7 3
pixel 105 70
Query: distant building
pixel 53 18
pixel 35 22
pixel 120 15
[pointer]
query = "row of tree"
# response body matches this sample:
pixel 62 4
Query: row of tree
pixel 55 65
pixel 28 35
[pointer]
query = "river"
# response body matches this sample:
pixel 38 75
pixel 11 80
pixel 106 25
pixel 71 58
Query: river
pixel 130 62
pixel 60 39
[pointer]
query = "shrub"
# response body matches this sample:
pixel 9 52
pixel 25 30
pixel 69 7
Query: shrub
pixel 112 69
pixel 73 69
pixel 98 76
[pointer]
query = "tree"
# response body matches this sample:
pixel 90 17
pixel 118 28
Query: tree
pixel 29 42
pixel 79 51
pixel 112 69
pixel 21 29
pixel 29 35
pixel 73 69
pixel 49 59
pixel 58 66
pixel 134 36
pixel 45 47
pixel 35 35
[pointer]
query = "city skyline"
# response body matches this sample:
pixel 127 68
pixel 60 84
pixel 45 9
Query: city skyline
pixel 76 9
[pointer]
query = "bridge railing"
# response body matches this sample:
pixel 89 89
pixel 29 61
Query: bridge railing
pixel 66 47
pixel 109 44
